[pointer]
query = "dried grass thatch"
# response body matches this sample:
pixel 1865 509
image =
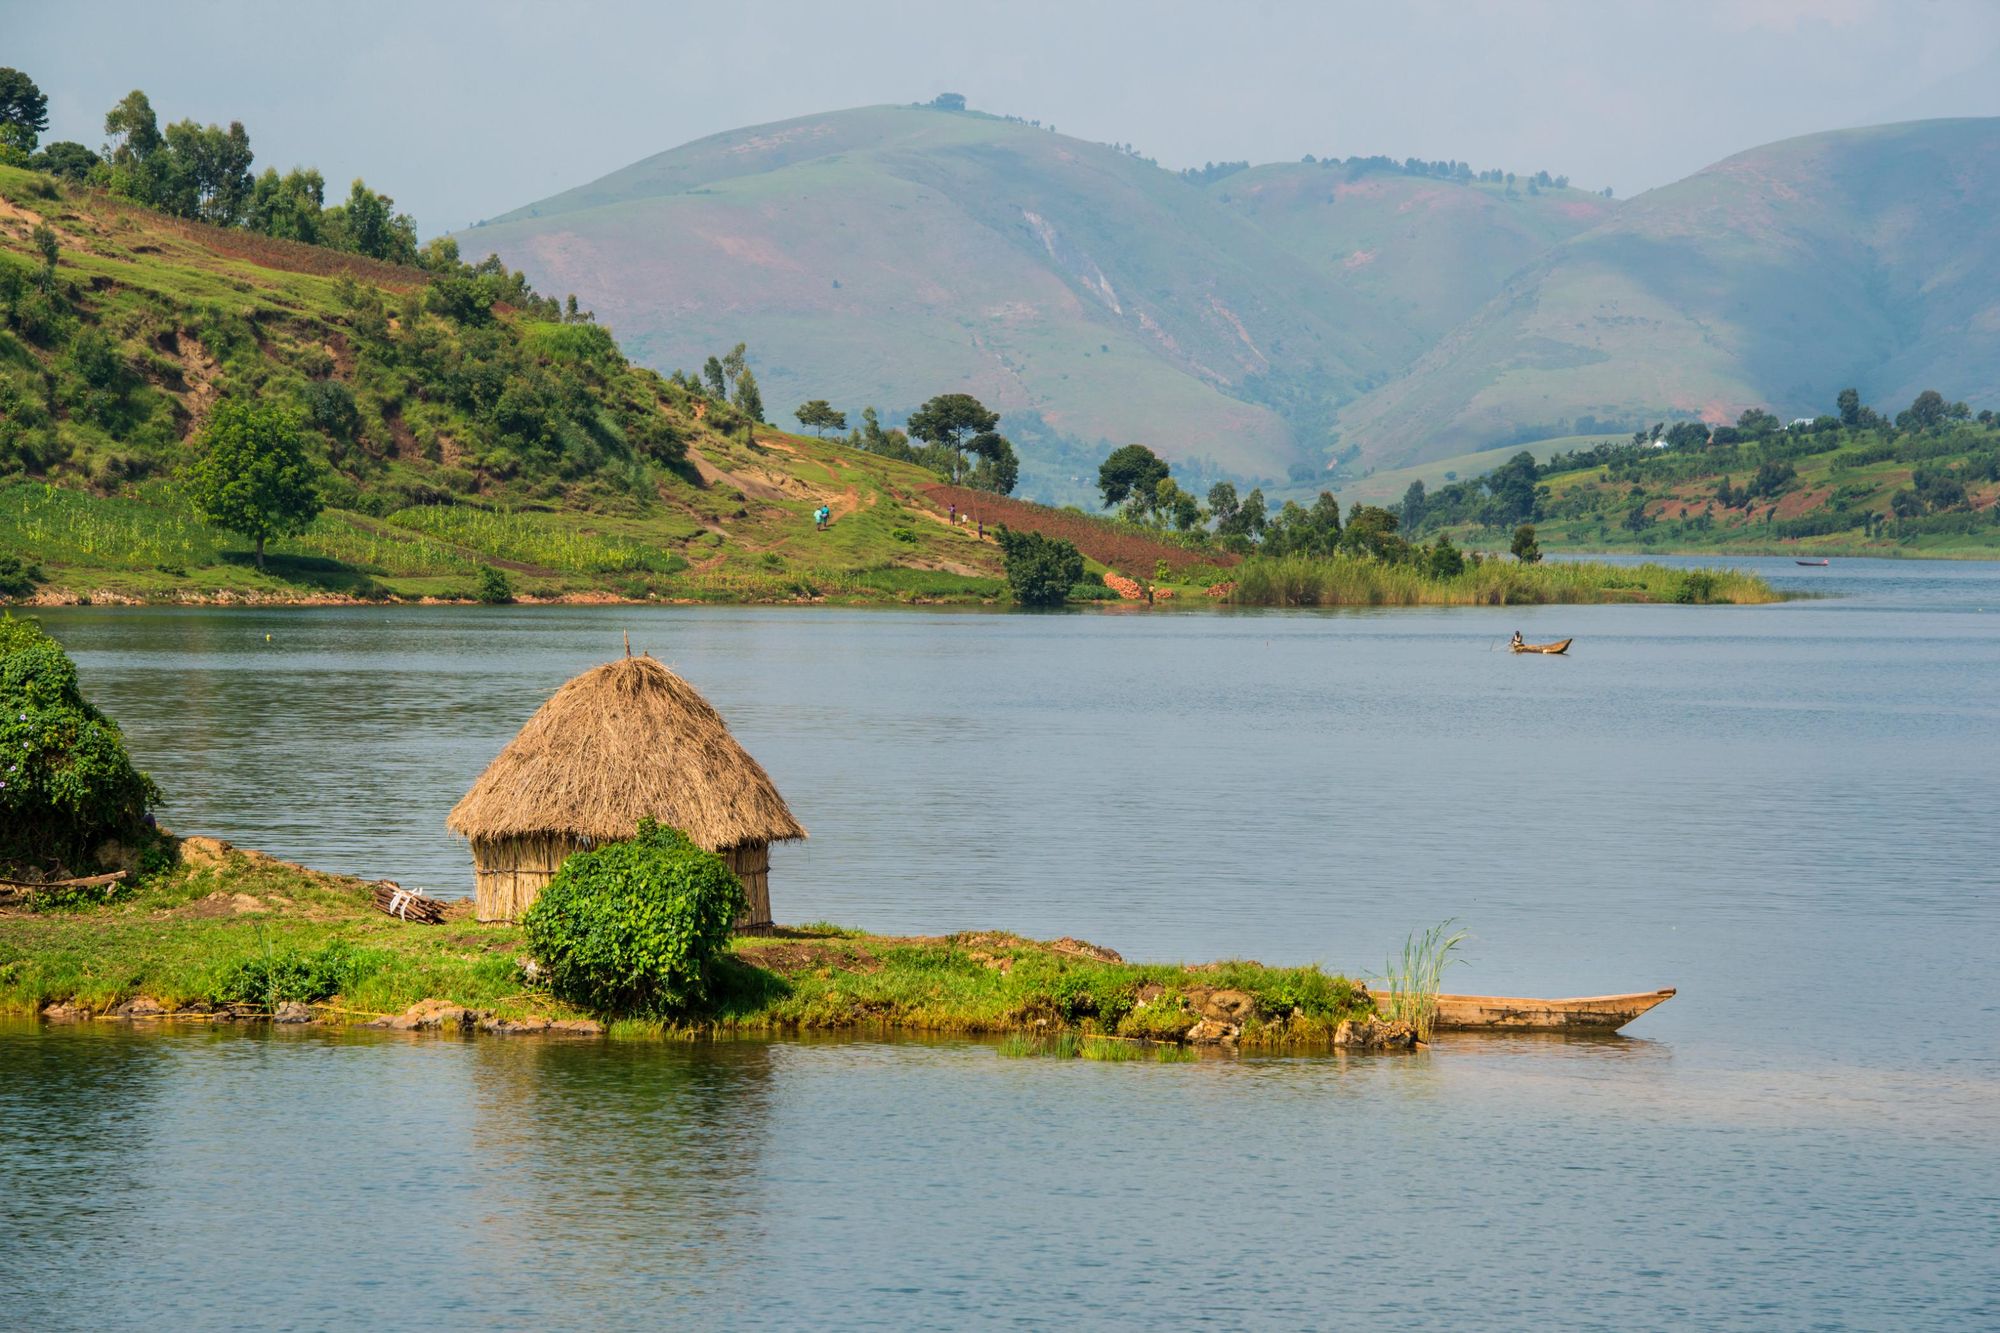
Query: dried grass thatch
pixel 627 741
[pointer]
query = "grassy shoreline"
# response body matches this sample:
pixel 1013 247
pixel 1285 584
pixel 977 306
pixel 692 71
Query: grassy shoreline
pixel 234 934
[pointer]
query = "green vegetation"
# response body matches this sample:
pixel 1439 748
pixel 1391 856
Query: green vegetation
pixel 635 926
pixel 1853 481
pixel 67 787
pixel 1414 980
pixel 1349 580
pixel 251 474
pixel 1040 570
pixel 452 421
pixel 251 931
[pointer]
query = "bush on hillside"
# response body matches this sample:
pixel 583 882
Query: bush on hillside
pixel 636 926
pixel 67 786
pixel 1040 569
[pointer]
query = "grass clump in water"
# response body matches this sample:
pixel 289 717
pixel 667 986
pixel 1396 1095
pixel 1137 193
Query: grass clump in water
pixel 1413 980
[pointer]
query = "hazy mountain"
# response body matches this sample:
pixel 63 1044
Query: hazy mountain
pixel 1272 319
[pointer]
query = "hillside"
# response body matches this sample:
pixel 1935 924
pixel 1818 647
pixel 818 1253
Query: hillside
pixel 463 426
pixel 1772 279
pixel 880 254
pixel 1265 323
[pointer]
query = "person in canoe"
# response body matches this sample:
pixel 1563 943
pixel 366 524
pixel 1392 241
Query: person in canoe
pixel 1518 640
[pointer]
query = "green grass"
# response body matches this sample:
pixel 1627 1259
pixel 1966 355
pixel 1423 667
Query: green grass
pixel 256 931
pixel 553 541
pixel 1358 581
pixel 1414 980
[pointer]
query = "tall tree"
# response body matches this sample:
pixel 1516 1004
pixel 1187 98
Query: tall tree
pixel 748 400
pixel 1132 472
pixel 1848 404
pixel 948 420
pixel 24 111
pixel 1414 502
pixel 997 469
pixel 251 473
pixel 711 375
pixel 819 416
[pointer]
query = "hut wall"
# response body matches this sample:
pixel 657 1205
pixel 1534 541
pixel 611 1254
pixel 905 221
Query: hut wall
pixel 752 864
pixel 508 873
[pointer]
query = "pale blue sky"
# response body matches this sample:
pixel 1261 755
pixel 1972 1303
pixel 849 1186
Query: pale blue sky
pixel 463 110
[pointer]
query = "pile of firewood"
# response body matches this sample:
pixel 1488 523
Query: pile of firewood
pixel 407 904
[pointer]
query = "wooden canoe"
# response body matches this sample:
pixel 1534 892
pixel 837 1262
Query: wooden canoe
pixel 1504 1013
pixel 1559 646
pixel 1815 564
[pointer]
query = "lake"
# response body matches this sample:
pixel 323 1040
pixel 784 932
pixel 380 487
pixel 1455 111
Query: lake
pixel 1785 811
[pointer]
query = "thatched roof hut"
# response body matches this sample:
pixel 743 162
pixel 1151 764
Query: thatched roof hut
pixel 627 741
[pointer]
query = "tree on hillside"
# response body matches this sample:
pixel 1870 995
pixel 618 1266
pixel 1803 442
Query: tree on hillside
pixel 949 420
pixel 1848 403
pixel 251 473
pixel 1223 506
pixel 1512 486
pixel 819 416
pixel 134 146
pixel 1524 547
pixel 367 224
pixel 207 173
pixel 997 469
pixel 65 158
pixel 24 111
pixel 1132 472
pixel 1413 506
pixel 288 206
pixel 711 375
pixel 748 400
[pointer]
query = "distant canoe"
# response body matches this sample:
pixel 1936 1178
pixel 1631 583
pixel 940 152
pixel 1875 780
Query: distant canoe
pixel 1502 1013
pixel 1816 564
pixel 1559 646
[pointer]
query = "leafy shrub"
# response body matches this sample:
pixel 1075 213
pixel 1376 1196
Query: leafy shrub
pixel 902 535
pixel 495 589
pixel 66 783
pixel 1696 586
pixel 1039 569
pixel 1165 1019
pixel 636 926
pixel 275 977
pixel 16 578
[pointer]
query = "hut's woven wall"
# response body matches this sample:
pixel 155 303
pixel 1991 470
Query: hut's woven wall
pixel 752 864
pixel 508 874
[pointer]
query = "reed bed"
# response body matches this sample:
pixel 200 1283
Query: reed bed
pixel 1359 581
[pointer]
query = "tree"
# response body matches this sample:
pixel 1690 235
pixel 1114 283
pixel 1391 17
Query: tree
pixel 998 469
pixel 1848 403
pixel 252 475
pixel 711 374
pixel 1132 472
pixel 1444 561
pixel 748 401
pixel 1223 506
pixel 1927 411
pixel 135 145
pixel 949 101
pixel 65 158
pixel 1414 502
pixel 207 173
pixel 948 420
pixel 1525 548
pixel 1041 570
pixel 24 111
pixel 1512 486
pixel 288 206
pixel 819 416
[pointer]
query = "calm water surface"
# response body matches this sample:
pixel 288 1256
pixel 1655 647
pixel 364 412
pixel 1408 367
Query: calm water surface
pixel 1786 811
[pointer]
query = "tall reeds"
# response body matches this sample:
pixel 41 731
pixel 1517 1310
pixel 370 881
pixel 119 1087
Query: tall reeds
pixel 1413 980
pixel 1360 581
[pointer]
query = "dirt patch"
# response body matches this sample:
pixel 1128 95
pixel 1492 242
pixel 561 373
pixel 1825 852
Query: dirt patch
pixel 198 373
pixel 791 957
pixel 220 904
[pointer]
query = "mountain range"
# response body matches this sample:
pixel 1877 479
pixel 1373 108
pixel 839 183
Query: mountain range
pixel 1290 321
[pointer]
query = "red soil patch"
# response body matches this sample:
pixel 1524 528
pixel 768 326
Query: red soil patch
pixel 1096 538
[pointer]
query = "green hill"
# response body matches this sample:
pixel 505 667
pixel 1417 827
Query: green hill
pixel 1272 321
pixel 1772 279
pixel 462 426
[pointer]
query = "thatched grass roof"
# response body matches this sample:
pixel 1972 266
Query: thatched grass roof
pixel 626 741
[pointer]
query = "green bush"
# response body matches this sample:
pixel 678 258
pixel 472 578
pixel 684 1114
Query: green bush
pixel 66 783
pixel 636 926
pixel 1040 569
pixel 495 589
pixel 272 978
pixel 16 578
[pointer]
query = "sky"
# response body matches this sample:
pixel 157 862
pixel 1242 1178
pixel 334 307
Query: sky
pixel 463 110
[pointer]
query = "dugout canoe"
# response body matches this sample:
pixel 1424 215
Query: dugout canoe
pixel 1559 646
pixel 1507 1013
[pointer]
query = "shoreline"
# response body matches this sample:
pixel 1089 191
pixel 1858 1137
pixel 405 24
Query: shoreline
pixel 232 936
